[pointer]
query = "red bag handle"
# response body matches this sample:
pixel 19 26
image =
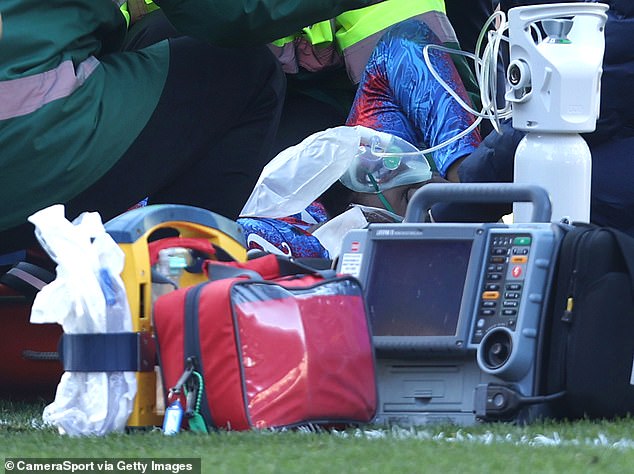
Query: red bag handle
pixel 268 267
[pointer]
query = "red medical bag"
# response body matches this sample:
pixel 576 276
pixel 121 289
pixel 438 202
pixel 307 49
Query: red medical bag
pixel 269 350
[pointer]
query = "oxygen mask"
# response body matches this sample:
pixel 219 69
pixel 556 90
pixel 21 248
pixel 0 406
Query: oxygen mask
pixel 385 161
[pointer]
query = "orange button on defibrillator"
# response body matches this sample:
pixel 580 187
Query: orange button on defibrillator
pixel 490 295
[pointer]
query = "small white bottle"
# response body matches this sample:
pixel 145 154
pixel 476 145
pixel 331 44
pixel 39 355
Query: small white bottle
pixel 170 266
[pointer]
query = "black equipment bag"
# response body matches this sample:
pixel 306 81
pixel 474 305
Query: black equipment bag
pixel 589 331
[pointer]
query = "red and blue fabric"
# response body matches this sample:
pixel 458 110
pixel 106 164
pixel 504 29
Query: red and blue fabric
pixel 286 236
pixel 398 94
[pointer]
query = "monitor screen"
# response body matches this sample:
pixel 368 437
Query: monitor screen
pixel 414 287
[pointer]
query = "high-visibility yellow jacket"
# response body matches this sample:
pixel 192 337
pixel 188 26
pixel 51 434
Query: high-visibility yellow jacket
pixel 356 25
pixel 134 9
pixel 351 36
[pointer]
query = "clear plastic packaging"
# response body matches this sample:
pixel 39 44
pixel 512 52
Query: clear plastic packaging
pixel 87 296
pixel 301 173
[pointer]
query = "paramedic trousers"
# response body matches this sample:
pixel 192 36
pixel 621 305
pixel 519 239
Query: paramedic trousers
pixel 302 115
pixel 204 145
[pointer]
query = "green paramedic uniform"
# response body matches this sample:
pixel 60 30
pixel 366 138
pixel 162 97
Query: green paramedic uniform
pixel 66 113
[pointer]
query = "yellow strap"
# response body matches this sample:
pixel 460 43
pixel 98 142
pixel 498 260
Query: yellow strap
pixel 151 6
pixel 356 25
pixel 320 33
pixel 282 41
pixel 124 11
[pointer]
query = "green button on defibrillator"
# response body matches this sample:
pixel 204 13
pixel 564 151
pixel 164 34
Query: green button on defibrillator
pixel 522 241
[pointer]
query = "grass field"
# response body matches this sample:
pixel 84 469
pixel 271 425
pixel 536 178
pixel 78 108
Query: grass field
pixel 581 447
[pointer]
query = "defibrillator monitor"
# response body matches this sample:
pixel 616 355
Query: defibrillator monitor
pixel 415 284
pixel 456 309
pixel 443 287
pixel 430 289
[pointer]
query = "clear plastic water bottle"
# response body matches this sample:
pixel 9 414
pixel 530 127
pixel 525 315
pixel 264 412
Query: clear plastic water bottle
pixel 167 272
pixel 173 261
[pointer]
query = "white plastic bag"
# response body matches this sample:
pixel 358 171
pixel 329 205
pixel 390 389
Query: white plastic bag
pixel 301 173
pixel 331 234
pixel 87 296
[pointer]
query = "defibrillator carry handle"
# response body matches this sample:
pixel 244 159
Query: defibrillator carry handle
pixel 193 221
pixel 433 193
